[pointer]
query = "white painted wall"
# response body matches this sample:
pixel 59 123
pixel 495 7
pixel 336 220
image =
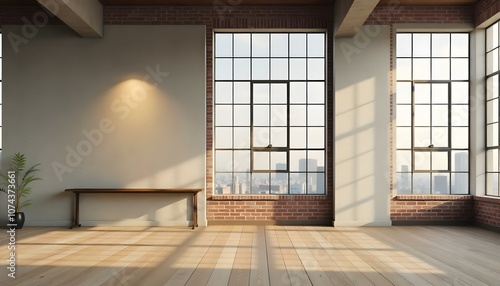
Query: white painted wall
pixel 362 116
pixel 143 87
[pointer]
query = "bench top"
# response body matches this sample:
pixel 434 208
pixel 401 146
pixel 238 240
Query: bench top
pixel 133 190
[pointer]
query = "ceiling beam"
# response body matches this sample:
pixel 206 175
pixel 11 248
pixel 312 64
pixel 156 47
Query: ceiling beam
pixel 350 15
pixel 85 17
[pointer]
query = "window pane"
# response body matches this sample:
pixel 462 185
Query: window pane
pixel 319 158
pixel 440 137
pixel 223 69
pixel 261 161
pixel 260 69
pixel 278 161
pixel 295 159
pixel 297 45
pixel 460 161
pixel 298 183
pixel 261 115
pixel 317 183
pixel 492 87
pixel 421 45
pixel 492 184
pixel 241 161
pixel 492 37
pixel 492 61
pixel 492 111
pixel 315 45
pixel 297 137
pixel 439 161
pixel 279 183
pixel 460 92
pixel 460 45
pixel 440 184
pixel 403 161
pixel 279 93
pixel 421 183
pixel 279 45
pixel 279 137
pixel 242 183
pixel 459 183
pixel 441 69
pixel 460 115
pixel 223 92
pixel 422 161
pixel 422 136
pixel 459 69
pixel 223 115
pixel 298 115
pixel 297 92
pixel 241 137
pixel 261 183
pixel 223 45
pixel 242 45
pixel 316 115
pixel 403 115
pixel 421 69
pixel 422 115
pixel 223 183
pixel 316 137
pixel 440 115
pixel 492 160
pixel 261 137
pixel 403 137
pixel 242 115
pixel 279 69
pixel 403 93
pixel 297 69
pixel 422 93
pixel 242 69
pixel 261 93
pixel 224 137
pixel 279 116
pixel 440 93
pixel 492 135
pixel 404 183
pixel 459 137
pixel 403 69
pixel 241 92
pixel 316 92
pixel 316 69
pixel 260 45
pixel 440 45
pixel 403 47
pixel 224 161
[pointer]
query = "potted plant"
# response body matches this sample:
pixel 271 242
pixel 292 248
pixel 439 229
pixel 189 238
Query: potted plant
pixel 16 185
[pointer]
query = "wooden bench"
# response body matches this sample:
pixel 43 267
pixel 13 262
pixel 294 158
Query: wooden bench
pixel 77 193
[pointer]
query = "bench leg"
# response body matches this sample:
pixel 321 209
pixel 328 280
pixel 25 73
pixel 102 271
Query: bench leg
pixel 77 211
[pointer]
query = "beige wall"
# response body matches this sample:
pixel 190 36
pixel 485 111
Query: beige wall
pixel 362 117
pixel 127 110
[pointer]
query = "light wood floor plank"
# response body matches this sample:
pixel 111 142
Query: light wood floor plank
pixel 254 255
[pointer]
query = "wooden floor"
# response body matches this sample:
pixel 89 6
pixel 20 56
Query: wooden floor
pixel 254 255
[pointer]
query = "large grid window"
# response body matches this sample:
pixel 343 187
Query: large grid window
pixel 269 111
pixel 492 107
pixel 432 113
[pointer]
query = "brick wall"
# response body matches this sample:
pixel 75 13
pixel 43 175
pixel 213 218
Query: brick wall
pixel 485 9
pixel 487 212
pixel 419 209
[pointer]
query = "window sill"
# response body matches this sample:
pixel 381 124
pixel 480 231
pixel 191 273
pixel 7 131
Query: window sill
pixel 432 198
pixel 269 197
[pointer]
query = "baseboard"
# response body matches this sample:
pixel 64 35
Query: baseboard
pixel 488 227
pixel 362 223
pixel 102 223
pixel 271 222
pixel 431 222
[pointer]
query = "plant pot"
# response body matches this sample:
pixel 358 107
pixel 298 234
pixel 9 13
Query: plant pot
pixel 19 220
